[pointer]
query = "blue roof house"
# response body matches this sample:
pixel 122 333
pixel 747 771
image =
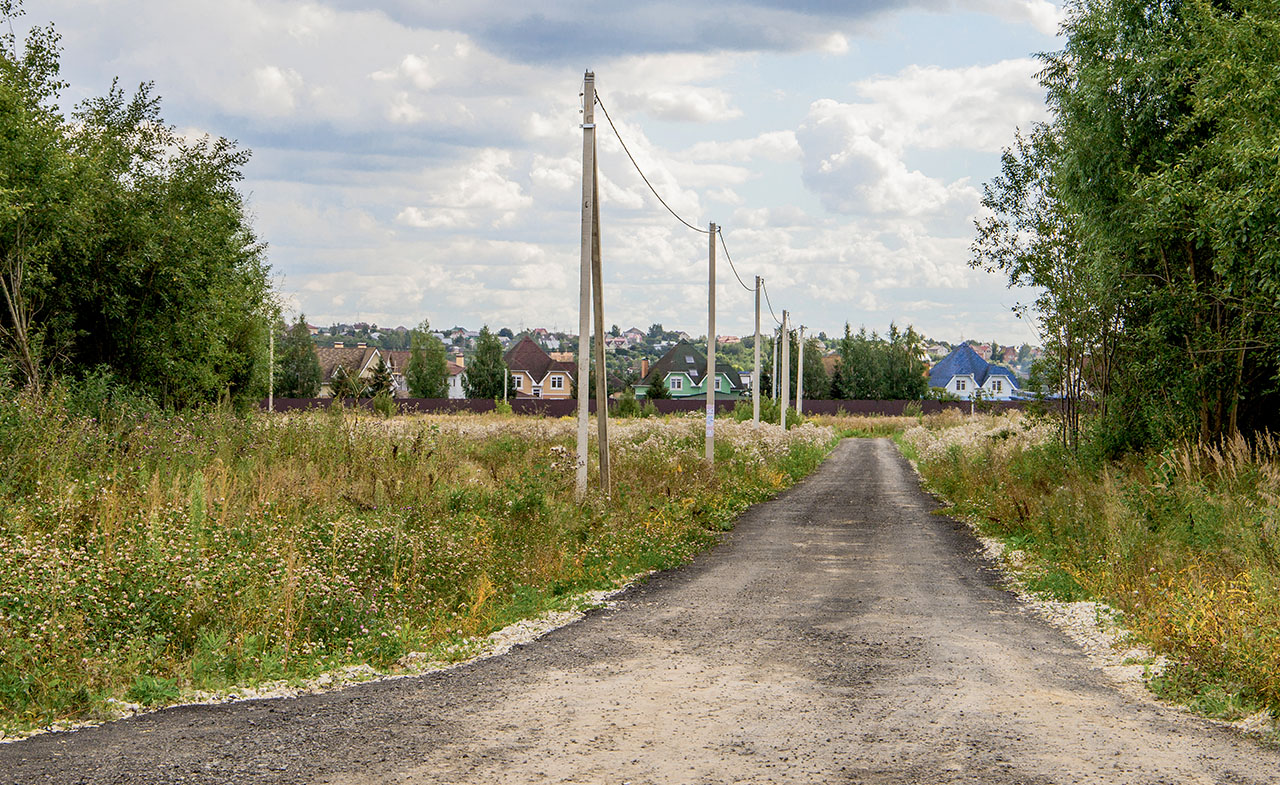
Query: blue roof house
pixel 966 375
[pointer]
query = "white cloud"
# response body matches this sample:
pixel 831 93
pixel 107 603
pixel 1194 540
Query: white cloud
pixel 973 108
pixel 276 90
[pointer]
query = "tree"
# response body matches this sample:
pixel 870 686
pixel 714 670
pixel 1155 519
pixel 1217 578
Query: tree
pixel 344 383
pixel 297 372
pixel 123 246
pixel 380 383
pixel 427 373
pixel 1154 187
pixel 875 368
pixel 487 371
pixel 505 332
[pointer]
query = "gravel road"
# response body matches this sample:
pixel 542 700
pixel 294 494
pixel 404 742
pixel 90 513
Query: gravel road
pixel 841 633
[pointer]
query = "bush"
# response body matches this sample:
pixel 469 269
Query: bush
pixel 384 405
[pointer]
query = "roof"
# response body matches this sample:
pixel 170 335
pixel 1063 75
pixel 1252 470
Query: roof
pixel 526 355
pixel 964 361
pixel 353 357
pixel 677 360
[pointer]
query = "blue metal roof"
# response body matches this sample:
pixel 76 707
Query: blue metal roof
pixel 964 361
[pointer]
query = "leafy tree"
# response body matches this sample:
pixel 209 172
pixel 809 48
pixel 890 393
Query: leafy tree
pixel 1162 180
pixel 428 372
pixel 123 245
pixel 505 332
pixel 487 370
pixel 875 368
pixel 297 372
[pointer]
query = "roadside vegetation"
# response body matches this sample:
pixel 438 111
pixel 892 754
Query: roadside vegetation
pixel 1183 541
pixel 146 554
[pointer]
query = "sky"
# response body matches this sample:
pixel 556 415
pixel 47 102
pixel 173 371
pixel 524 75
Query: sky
pixel 422 160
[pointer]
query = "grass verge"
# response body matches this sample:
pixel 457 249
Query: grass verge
pixel 1183 543
pixel 148 558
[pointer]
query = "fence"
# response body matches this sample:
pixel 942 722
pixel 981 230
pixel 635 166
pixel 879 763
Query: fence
pixel 566 407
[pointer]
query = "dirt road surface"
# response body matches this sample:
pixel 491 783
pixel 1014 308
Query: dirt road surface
pixel 841 633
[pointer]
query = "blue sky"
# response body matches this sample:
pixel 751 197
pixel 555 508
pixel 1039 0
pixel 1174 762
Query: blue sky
pixel 422 160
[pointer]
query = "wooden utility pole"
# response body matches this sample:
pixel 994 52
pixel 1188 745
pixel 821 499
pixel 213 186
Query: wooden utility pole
pixel 786 370
pixel 584 274
pixel 755 374
pixel 800 376
pixel 602 374
pixel 711 380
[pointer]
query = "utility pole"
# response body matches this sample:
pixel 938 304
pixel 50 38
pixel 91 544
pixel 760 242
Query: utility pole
pixel 800 376
pixel 755 374
pixel 506 382
pixel 602 375
pixel 773 378
pixel 584 273
pixel 711 380
pixel 786 370
pixel 271 365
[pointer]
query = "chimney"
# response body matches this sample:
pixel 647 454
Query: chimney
pixel 460 361
pixel 361 345
pixel 337 344
pixel 644 368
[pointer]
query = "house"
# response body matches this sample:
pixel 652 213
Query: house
pixel 683 372
pixel 620 342
pixel 635 336
pixel 359 359
pixel 535 375
pixel 966 375
pixel 457 372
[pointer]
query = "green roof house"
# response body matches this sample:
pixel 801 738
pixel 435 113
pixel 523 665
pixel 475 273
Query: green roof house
pixel 683 370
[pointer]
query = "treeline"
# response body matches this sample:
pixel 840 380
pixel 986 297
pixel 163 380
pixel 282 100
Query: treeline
pixel 125 249
pixel 867 366
pixel 1146 212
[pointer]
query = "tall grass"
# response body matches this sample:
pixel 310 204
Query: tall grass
pixel 1185 542
pixel 145 557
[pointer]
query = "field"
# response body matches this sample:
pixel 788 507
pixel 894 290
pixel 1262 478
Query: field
pixel 1182 542
pixel 148 558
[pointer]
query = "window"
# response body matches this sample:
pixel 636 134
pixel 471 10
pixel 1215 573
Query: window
pixel 519 382
pixel 675 383
pixel 688 359
pixel 537 392
pixel 997 385
pixel 557 382
pixel 959 384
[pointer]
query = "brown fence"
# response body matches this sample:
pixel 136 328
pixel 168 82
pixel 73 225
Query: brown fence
pixel 545 407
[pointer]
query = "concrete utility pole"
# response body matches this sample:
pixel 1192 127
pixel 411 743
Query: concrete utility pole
pixel 786 370
pixel 711 381
pixel 800 376
pixel 271 366
pixel 602 374
pixel 755 374
pixel 584 274
pixel 773 378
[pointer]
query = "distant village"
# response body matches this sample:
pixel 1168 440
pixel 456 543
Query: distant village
pixel 542 362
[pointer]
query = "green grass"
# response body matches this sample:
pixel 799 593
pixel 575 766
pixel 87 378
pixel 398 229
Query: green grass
pixel 148 557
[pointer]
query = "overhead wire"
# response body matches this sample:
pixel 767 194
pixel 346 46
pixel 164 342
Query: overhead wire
pixel 720 234
pixel 765 289
pixel 641 171
pixel 678 217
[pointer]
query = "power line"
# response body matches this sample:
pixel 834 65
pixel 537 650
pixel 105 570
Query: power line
pixel 641 172
pixel 767 300
pixel 730 258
